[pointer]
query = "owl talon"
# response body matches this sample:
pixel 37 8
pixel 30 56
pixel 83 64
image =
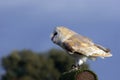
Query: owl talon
pixel 74 67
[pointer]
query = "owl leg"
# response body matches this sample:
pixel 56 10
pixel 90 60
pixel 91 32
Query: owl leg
pixel 77 65
pixel 79 62
pixel 82 60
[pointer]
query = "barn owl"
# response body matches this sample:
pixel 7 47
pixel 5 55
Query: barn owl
pixel 78 46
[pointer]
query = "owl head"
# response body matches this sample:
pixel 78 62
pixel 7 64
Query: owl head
pixel 60 34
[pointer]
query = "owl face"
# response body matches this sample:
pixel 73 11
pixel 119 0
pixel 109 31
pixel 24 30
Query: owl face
pixel 60 34
pixel 55 37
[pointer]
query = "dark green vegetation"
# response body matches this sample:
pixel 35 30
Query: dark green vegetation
pixel 29 65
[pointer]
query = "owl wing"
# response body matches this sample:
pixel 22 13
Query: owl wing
pixel 82 45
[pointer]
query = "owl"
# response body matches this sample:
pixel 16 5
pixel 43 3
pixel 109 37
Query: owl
pixel 78 46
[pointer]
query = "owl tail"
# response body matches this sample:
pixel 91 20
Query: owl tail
pixel 102 55
pixel 106 55
pixel 106 52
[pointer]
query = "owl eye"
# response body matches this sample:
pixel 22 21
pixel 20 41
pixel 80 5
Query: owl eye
pixel 53 36
pixel 55 33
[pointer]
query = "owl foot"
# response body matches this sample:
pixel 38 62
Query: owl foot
pixel 74 67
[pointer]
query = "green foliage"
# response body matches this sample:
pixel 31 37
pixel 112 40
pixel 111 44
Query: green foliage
pixel 61 60
pixel 28 65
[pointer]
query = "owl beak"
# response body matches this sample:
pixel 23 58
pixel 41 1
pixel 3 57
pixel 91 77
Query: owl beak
pixel 52 37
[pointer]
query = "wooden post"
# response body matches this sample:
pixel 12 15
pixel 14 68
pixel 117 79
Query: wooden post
pixel 79 75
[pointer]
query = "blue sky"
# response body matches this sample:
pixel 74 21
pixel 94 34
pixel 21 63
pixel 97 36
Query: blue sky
pixel 27 24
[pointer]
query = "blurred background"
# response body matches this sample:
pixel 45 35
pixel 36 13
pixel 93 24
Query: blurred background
pixel 26 51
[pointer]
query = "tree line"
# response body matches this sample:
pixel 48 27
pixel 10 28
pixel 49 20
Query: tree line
pixel 29 65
